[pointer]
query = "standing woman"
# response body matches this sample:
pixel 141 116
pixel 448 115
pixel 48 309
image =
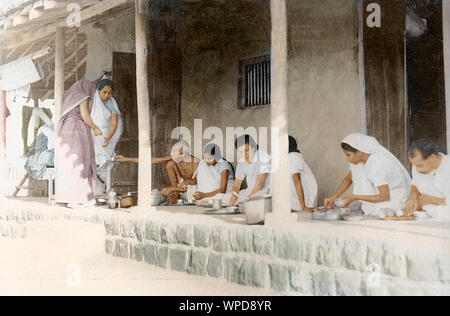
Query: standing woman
pixel 379 180
pixel 106 115
pixel 76 169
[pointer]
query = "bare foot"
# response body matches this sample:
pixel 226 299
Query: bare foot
pixel 174 198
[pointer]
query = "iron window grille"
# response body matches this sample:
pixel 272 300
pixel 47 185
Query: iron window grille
pixel 255 83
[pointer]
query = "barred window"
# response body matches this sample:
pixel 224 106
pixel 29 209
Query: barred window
pixel 254 83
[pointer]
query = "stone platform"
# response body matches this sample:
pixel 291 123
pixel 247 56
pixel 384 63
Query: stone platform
pixel 369 257
pixel 12 230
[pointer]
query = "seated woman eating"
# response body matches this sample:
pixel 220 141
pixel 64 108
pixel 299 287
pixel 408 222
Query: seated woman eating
pixel 380 182
pixel 255 166
pixel 303 182
pixel 214 175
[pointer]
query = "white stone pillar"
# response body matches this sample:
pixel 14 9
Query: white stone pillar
pixel 446 44
pixel 59 70
pixel 3 112
pixel 281 204
pixel 143 104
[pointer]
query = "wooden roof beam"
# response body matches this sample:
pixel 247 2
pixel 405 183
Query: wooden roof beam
pixel 11 42
pixel 40 14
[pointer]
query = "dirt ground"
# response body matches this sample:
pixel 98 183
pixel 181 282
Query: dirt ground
pixel 61 258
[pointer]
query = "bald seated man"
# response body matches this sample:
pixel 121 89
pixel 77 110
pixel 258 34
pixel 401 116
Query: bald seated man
pixel 181 166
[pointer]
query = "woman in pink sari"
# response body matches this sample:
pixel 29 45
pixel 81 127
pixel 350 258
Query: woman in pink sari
pixel 76 169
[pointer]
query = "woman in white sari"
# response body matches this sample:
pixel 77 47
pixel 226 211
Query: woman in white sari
pixel 380 182
pixel 214 175
pixel 106 115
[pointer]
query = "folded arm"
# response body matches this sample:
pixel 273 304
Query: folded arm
pixel 416 201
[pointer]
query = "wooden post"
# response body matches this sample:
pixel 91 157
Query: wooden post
pixel 446 42
pixel 143 104
pixel 279 118
pixel 59 71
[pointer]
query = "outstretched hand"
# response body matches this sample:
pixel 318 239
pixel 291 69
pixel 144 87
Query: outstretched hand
pixel 120 158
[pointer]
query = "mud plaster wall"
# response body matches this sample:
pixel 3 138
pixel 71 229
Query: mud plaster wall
pixel 324 93
pixel 114 36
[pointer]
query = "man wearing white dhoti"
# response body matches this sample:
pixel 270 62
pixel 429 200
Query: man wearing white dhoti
pixel 430 190
pixel 379 180
pixel 106 115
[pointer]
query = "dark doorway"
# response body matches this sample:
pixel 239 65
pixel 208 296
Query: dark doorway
pixel 425 76
pixel 124 175
pixel 404 76
pixel 165 85
pixel 384 51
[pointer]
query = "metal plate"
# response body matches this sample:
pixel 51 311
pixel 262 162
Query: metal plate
pixel 223 211
pixel 329 215
pixel 179 205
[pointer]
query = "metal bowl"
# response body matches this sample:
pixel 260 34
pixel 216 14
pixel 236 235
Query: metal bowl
pixel 101 201
pixel 233 209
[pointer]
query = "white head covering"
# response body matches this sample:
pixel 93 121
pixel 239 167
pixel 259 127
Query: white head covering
pixel 184 145
pixel 369 145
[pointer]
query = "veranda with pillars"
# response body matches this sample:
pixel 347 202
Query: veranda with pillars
pixel 300 257
pixel 279 117
pixel 279 108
